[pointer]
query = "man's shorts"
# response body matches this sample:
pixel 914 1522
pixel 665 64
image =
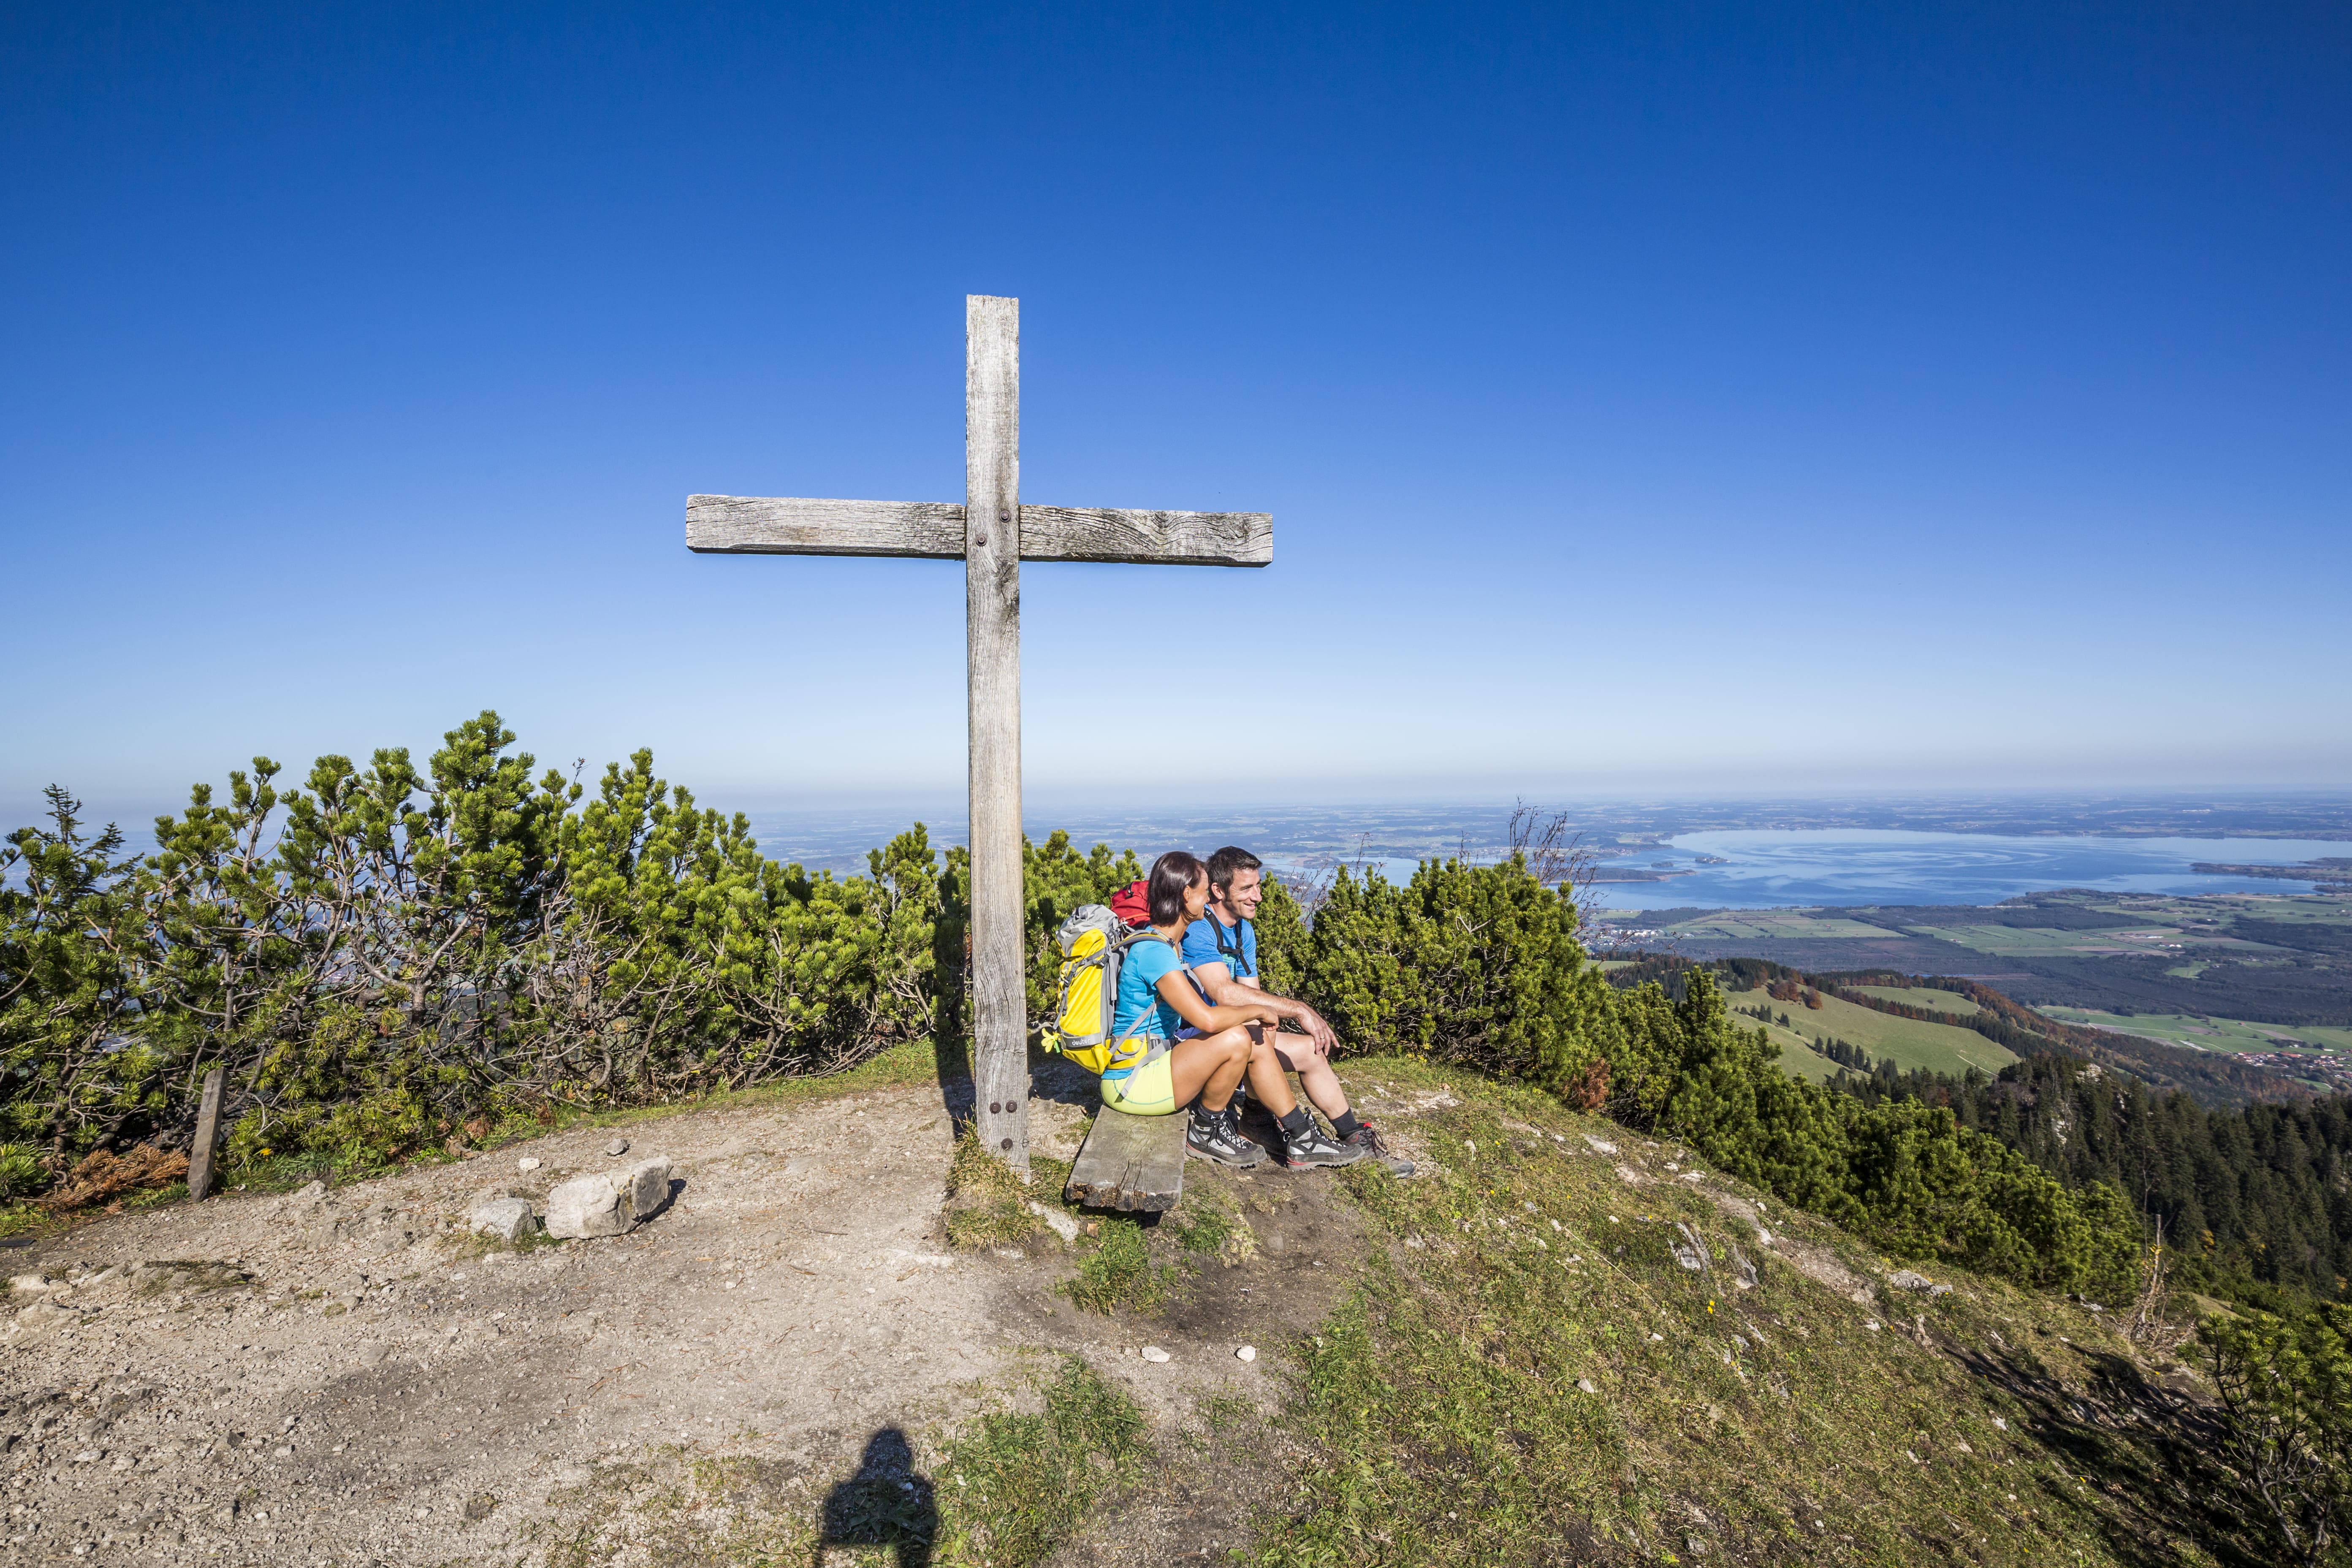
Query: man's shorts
pixel 1146 1089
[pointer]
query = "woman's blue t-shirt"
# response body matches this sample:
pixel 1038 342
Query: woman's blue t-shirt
pixel 1141 1009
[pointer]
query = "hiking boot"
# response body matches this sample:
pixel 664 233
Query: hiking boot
pixel 1312 1147
pixel 1217 1137
pixel 1366 1139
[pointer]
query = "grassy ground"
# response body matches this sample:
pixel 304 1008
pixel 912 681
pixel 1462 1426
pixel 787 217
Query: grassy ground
pixel 1926 996
pixel 1527 1373
pixel 1906 1042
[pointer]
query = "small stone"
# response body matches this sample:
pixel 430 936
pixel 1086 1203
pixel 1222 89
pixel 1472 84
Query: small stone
pixel 1586 1383
pixel 1060 1224
pixel 507 1219
pixel 28 1282
pixel 617 1147
pixel 285 1453
pixel 1154 1354
pixel 526 1163
pixel 1247 1352
pixel 1905 1280
pixel 1273 1243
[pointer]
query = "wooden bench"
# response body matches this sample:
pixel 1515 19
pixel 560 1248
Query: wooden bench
pixel 1131 1163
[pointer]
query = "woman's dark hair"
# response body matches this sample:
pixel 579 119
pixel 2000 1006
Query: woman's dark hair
pixel 1171 874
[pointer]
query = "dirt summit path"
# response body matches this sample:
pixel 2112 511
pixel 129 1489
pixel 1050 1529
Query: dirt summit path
pixel 350 1377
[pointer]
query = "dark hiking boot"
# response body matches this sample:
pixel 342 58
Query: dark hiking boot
pixel 1314 1147
pixel 1365 1137
pixel 1215 1136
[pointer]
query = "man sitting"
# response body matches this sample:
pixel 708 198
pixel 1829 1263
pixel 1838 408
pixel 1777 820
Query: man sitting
pixel 1220 947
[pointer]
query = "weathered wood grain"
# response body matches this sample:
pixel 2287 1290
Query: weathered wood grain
pixel 200 1153
pixel 794 525
pixel 991 575
pixel 1161 538
pixel 1131 1163
pixel 791 525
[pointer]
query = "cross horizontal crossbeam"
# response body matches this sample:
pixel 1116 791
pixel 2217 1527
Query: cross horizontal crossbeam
pixel 789 525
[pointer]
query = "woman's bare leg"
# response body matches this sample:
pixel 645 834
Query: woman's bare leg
pixel 1209 1065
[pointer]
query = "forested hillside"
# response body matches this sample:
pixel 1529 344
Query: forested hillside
pixel 2250 1197
pixel 2248 1173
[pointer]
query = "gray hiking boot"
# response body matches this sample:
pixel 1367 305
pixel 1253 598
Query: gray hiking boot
pixel 1313 1147
pixel 1216 1136
pixel 1366 1139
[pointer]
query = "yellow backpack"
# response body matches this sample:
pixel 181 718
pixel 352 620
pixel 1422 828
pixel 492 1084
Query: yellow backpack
pixel 1094 943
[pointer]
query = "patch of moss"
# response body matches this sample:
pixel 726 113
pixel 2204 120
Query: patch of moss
pixel 1012 1486
pixel 1115 1269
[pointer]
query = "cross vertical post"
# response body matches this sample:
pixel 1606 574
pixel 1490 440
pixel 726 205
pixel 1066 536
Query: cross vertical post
pixel 992 632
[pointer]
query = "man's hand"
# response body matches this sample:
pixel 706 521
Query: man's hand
pixel 1319 1037
pixel 1326 1039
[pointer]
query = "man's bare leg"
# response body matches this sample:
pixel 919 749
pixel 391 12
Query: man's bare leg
pixel 1317 1081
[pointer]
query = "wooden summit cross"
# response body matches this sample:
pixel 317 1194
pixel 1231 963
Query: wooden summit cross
pixel 983 535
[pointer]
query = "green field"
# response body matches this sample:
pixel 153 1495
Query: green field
pixel 1926 996
pixel 2028 941
pixel 1776 925
pixel 1941 1047
pixel 2233 1035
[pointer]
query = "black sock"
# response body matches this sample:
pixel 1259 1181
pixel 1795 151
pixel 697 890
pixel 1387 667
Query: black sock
pixel 1205 1117
pixel 1344 1125
pixel 1298 1123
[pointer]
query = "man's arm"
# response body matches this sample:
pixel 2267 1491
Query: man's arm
pixel 1226 990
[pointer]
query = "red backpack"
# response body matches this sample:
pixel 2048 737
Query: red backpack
pixel 1132 905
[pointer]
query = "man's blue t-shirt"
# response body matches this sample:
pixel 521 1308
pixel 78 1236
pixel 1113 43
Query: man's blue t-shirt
pixel 1201 946
pixel 1141 1009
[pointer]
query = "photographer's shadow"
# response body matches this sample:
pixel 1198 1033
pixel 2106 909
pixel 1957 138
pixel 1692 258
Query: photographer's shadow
pixel 885 1503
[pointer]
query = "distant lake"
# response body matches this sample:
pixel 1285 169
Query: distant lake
pixel 1764 868
pixel 1771 867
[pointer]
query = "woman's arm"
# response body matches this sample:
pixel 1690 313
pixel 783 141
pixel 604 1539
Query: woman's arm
pixel 1176 989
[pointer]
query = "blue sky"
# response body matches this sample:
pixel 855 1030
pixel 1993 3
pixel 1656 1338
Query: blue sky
pixel 1739 398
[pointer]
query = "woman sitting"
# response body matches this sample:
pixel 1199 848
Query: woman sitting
pixel 1170 1045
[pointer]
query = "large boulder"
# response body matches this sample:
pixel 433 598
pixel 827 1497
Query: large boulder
pixel 610 1202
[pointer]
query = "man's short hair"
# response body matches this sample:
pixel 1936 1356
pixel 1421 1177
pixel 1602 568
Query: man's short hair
pixel 1228 860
